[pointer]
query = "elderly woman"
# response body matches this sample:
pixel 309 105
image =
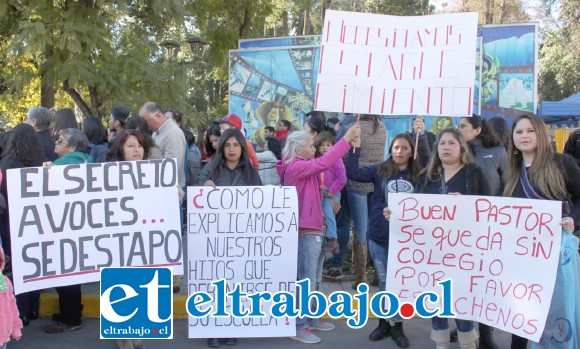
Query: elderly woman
pixel 69 146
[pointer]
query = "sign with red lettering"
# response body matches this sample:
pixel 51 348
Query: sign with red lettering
pixel 501 254
pixel 389 65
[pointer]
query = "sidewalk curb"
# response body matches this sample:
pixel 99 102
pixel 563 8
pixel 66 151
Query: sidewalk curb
pixel 91 308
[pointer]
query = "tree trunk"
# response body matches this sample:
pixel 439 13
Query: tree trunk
pixel 502 11
pixel 285 23
pixel 300 24
pixel 77 98
pixel 488 12
pixel 95 102
pixel 47 91
pixel 246 23
pixel 307 29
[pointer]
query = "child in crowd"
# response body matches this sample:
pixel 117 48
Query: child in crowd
pixel 333 180
pixel 282 131
pixel 10 323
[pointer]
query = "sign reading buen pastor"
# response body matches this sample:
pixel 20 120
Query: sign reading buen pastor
pixel 501 254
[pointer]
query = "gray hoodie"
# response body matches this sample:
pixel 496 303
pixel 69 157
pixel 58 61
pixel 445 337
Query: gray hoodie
pixel 492 162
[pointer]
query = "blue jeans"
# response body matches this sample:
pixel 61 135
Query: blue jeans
pixel 329 216
pixel 309 250
pixel 439 323
pixel 360 207
pixel 320 264
pixel 343 224
pixel 380 255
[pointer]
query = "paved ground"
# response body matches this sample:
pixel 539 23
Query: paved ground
pixel 342 337
pixel 34 337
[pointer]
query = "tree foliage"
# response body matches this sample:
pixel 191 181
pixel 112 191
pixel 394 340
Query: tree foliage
pixel 560 53
pixel 493 11
pixel 100 52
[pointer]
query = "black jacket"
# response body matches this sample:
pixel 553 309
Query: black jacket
pixel 473 177
pixel 572 146
pixel 401 183
pixel 571 206
pixel 243 174
pixel 492 162
pixel 47 145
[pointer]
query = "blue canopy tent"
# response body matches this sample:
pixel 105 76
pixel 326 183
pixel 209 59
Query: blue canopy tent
pixel 566 109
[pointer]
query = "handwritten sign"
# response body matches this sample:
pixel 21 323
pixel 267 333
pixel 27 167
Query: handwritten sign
pixel 248 236
pixel 388 65
pixel 501 253
pixel 67 222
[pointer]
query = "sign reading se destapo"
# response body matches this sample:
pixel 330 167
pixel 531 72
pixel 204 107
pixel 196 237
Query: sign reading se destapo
pixel 67 222
pixel 249 237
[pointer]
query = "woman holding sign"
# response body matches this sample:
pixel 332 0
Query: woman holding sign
pixel 299 168
pixel 535 171
pixel 398 174
pixel 129 145
pixel 451 170
pixel 23 150
pixel 230 166
pixel 70 147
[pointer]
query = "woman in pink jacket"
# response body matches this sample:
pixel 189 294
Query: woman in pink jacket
pixel 10 323
pixel 299 168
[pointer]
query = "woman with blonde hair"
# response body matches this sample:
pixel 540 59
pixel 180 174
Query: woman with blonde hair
pixel 299 168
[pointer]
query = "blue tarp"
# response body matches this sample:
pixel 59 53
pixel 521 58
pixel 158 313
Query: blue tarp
pixel 567 107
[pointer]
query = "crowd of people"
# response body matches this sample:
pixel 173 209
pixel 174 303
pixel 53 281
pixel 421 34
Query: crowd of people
pixel 340 175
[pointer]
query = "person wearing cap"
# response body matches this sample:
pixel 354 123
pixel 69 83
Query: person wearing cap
pixel 234 121
pixel 118 117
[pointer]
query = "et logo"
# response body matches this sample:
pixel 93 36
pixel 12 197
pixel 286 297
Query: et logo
pixel 136 303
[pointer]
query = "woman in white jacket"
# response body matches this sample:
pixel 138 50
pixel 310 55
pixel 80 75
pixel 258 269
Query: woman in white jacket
pixel 272 153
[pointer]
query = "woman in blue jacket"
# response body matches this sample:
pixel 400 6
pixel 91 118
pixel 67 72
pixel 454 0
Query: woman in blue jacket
pixel 398 174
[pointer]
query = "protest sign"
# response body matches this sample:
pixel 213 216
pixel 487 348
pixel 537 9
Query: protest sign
pixel 248 236
pixel 389 65
pixel 501 254
pixel 67 222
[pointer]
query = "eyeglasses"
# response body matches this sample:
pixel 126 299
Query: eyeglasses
pixel 60 141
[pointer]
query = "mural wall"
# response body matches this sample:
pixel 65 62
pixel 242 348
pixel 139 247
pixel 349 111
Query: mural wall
pixel 274 78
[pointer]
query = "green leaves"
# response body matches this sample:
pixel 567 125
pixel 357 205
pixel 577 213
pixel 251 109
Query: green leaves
pixel 107 51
